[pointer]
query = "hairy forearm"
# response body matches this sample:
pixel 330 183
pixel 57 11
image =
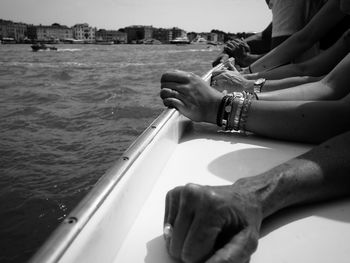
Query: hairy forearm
pixel 303 121
pixel 322 173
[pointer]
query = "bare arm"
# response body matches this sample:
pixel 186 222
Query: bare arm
pixel 334 85
pixel 280 84
pixel 303 121
pixel 322 22
pixel 320 174
pixel 199 215
pixel 232 81
pixel 317 66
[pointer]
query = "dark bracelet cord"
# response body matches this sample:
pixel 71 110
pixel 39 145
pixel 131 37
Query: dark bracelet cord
pixel 221 111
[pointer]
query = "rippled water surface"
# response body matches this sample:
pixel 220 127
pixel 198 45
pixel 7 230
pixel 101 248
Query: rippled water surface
pixel 65 117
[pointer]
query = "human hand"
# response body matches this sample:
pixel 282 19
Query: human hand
pixel 231 81
pixel 220 59
pixel 239 49
pixel 190 95
pixel 212 224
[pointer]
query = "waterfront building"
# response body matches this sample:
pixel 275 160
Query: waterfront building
pixel 212 37
pixel 15 32
pixel 178 33
pixel 221 36
pixel 163 35
pixel 84 32
pixel 117 37
pixel 138 33
pixel 53 33
pixel 191 36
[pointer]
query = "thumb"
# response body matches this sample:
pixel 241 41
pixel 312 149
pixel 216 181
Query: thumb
pixel 231 65
pixel 239 249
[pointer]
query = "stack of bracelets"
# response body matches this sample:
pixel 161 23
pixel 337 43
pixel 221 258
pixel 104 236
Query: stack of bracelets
pixel 233 110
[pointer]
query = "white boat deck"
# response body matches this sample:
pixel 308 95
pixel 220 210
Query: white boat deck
pixel 310 234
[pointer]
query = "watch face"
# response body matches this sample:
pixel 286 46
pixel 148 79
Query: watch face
pixel 259 81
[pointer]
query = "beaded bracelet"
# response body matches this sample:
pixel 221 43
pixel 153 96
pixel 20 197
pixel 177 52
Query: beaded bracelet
pixel 244 116
pixel 233 111
pixel 220 112
pixel 227 112
pixel 237 117
pixel 234 105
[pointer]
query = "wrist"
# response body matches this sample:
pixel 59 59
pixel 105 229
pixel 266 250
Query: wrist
pixel 245 61
pixel 265 189
pixel 212 114
pixel 253 76
pixel 249 85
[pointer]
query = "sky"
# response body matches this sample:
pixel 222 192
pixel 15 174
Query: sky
pixel 191 15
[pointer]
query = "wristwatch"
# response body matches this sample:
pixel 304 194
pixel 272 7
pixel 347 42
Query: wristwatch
pixel 258 84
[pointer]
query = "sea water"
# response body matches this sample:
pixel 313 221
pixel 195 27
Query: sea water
pixel 65 117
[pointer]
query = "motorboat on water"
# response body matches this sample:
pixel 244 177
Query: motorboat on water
pixel 121 219
pixel 180 41
pixel 37 47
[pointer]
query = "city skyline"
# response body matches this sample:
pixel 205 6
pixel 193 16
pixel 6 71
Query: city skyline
pixel 192 15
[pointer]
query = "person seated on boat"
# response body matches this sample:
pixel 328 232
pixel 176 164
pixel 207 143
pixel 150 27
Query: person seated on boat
pixel 309 113
pixel 321 25
pixel 288 17
pixel 286 76
pixel 223 223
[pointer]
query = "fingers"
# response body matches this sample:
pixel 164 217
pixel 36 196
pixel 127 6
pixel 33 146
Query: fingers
pixel 179 212
pixel 175 104
pixel 201 238
pixel 172 201
pixel 166 93
pixel 239 249
pixel 173 99
pixel 217 73
pixel 176 76
pixel 180 88
pixel 230 64
pixel 171 209
pixel 183 222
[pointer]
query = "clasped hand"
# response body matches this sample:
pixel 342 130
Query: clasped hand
pixel 230 81
pixel 190 95
pixel 212 224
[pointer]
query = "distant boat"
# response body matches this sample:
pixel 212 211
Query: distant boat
pixel 199 41
pixel 72 41
pixel 180 40
pixel 37 47
pixel 8 40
